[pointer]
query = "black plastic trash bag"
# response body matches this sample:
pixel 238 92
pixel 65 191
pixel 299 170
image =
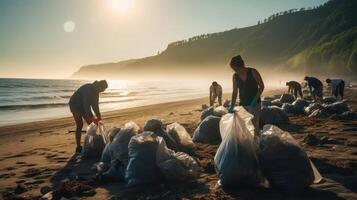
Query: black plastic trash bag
pixel 283 162
pixel 288 108
pixel 273 115
pixel 208 131
pixel 312 107
pixel 287 98
pixel 94 141
pixel 181 136
pixel 236 160
pixel 142 168
pixel 175 167
pixel 336 108
pixel 155 126
pixel 299 106
pixel 119 145
pixel 329 100
pixel 277 103
pixel 348 115
pixel 106 157
pixel 205 113
pixel 266 103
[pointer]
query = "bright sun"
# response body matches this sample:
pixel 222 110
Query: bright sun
pixel 121 5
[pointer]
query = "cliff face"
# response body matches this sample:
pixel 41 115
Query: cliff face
pixel 322 41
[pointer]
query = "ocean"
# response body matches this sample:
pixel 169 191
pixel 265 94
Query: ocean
pixel 28 100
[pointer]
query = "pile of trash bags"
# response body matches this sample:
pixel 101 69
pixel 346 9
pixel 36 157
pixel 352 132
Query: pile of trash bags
pixel 273 157
pixel 94 141
pixel 142 158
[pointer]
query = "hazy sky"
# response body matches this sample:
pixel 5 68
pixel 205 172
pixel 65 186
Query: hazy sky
pixel 53 38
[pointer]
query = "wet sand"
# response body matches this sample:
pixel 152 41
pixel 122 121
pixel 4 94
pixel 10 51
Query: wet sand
pixel 34 155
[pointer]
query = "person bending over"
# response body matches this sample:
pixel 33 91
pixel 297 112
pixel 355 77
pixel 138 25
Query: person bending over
pixel 315 87
pixel 337 87
pixel 215 90
pixel 294 88
pixel 81 104
pixel 249 84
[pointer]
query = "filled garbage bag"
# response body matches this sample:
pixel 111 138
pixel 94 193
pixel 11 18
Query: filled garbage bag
pixel 116 172
pixel 206 112
pixel 208 131
pixel 219 111
pixel 319 113
pixel 329 100
pixel 273 115
pixel 175 167
pixel 266 103
pixel 142 168
pixel 119 145
pixel 287 98
pixel 312 107
pixel 338 107
pixel 155 126
pixel 106 157
pixel 348 115
pixel 277 103
pixel 93 141
pixel 236 160
pixel 180 135
pixel 284 163
pixel 288 108
pixel 111 133
pixel 299 106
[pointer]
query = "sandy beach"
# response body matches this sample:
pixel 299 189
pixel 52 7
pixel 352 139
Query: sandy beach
pixel 39 154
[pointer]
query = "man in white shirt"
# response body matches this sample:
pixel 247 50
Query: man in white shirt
pixel 215 91
pixel 337 87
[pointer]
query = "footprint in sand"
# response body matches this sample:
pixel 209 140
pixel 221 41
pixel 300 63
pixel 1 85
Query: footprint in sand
pixel 7 175
pixel 31 172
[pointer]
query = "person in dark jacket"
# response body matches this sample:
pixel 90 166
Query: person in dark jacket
pixel 81 104
pixel 250 85
pixel 294 88
pixel 315 87
pixel 337 87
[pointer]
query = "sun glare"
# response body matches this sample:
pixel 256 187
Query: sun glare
pixel 120 5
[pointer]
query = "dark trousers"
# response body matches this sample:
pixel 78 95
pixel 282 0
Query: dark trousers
pixel 340 88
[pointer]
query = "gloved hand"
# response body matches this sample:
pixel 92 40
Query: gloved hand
pixel 231 109
pixel 254 102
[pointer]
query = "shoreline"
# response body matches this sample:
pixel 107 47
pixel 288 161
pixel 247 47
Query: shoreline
pixel 37 126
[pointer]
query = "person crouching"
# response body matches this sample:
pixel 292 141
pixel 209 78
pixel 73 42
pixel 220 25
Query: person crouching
pixel 81 104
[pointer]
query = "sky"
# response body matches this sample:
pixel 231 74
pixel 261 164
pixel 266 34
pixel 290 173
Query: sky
pixel 54 38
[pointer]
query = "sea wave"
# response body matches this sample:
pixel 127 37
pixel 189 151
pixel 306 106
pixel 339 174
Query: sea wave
pixel 53 105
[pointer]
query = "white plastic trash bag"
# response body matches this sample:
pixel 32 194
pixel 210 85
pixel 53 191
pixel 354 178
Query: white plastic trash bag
pixel 236 160
pixel 94 141
pixel 284 163
pixel 181 136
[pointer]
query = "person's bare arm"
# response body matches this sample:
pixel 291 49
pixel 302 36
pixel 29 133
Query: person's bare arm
pixel 260 83
pixel 234 92
pixel 289 88
pixel 210 94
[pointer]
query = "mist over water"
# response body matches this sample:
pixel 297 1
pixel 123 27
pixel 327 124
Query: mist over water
pixel 26 100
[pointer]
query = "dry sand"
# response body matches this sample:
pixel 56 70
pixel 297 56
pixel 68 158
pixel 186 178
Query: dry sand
pixel 40 154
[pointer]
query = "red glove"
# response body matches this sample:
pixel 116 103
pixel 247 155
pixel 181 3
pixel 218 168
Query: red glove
pixel 97 120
